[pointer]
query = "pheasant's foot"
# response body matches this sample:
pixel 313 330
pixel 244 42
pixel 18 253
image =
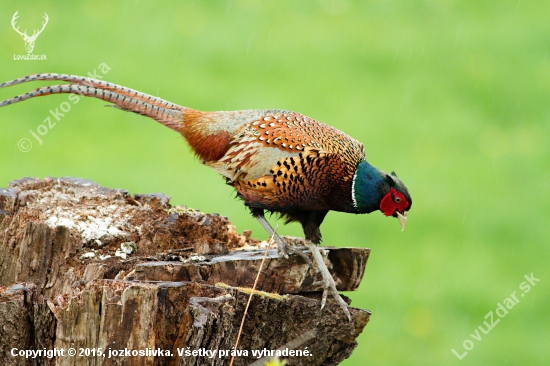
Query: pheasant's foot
pixel 285 248
pixel 328 281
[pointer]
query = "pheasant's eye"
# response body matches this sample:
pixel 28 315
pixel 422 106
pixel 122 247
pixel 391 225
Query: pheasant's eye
pixel 397 199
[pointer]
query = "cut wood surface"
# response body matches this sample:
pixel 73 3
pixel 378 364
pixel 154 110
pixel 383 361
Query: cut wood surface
pixel 100 270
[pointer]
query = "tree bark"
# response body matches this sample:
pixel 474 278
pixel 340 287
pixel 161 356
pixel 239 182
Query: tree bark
pixel 131 280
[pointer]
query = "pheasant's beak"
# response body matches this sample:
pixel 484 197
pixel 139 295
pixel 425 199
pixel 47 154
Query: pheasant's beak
pixel 402 219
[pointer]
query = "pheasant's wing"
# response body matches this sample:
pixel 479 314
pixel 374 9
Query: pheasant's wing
pixel 288 161
pixel 258 145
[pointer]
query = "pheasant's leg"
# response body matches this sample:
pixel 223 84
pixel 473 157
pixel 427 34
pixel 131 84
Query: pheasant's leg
pixel 283 246
pixel 330 286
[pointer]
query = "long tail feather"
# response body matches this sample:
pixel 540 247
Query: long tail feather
pixel 167 113
pixel 82 80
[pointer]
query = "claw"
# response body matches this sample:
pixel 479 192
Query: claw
pixel 324 298
pixel 284 248
pixel 282 245
pixel 327 280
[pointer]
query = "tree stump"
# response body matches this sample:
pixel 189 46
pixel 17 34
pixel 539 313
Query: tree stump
pixel 131 280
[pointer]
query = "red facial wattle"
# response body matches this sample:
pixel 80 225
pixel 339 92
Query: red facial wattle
pixel 393 201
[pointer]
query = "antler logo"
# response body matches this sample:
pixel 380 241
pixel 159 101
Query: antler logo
pixel 29 40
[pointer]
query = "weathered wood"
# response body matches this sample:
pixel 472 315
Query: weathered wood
pixel 279 275
pixel 172 316
pixel 26 323
pixel 113 271
pixel 15 323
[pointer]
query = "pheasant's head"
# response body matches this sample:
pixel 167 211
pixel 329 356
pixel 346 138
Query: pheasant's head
pixel 373 189
pixel 397 201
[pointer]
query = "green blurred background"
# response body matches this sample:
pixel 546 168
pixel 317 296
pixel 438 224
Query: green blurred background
pixel 452 95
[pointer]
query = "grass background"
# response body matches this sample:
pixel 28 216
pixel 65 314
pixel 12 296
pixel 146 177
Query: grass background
pixel 452 95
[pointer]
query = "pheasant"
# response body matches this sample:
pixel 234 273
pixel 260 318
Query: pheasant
pixel 277 161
